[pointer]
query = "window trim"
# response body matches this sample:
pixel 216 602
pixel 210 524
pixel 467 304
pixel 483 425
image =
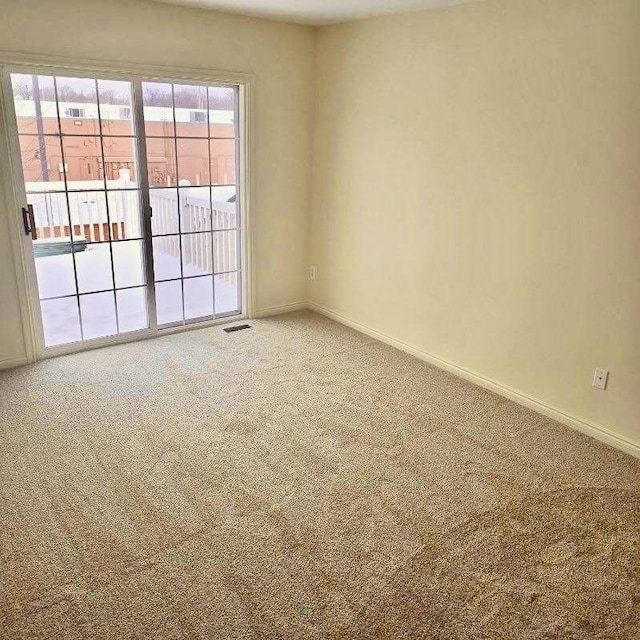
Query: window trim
pixel 13 62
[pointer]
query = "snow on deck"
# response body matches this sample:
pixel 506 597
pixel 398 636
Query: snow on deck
pixel 56 278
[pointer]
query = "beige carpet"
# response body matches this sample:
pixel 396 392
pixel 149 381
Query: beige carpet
pixel 300 480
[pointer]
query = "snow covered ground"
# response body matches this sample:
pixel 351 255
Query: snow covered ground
pixel 61 319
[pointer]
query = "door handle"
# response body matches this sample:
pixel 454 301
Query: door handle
pixel 29 221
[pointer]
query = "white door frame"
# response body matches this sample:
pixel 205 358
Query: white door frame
pixel 14 199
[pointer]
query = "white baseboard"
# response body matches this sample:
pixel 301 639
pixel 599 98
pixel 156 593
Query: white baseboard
pixel 11 363
pixel 579 424
pixel 276 311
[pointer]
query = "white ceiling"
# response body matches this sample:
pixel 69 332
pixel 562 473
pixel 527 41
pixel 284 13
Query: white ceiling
pixel 317 12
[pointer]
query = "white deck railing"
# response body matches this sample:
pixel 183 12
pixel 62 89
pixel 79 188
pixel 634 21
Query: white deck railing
pixel 196 216
pixel 207 252
pixel 87 210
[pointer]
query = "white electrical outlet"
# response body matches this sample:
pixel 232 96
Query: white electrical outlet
pixel 313 272
pixel 600 379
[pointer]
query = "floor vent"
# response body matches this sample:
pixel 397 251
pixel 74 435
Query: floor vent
pixel 239 327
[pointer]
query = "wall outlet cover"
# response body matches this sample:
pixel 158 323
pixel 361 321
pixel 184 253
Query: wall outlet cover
pixel 600 378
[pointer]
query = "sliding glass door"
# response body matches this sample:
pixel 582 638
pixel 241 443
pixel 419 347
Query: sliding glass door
pixel 191 150
pixel 130 201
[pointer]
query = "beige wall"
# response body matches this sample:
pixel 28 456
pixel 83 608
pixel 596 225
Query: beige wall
pixel 477 192
pixel 281 56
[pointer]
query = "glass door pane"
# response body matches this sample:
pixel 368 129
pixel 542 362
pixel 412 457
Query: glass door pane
pixel 78 151
pixel 98 157
pixel 191 148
